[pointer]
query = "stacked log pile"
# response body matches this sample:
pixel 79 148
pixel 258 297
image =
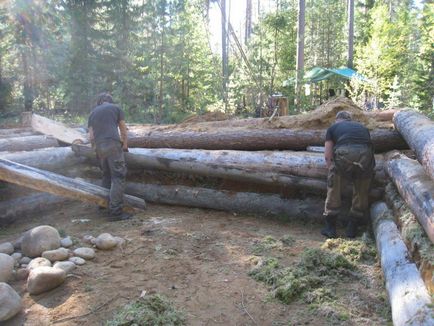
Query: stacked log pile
pixel 259 152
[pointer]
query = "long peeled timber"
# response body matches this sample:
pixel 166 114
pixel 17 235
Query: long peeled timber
pixel 408 296
pixel 28 143
pixel 251 139
pixel 418 132
pixel 415 187
pixel 59 185
pixel 56 129
pixel 12 209
pixel 240 202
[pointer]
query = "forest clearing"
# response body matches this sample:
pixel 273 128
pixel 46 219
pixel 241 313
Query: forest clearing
pixel 216 162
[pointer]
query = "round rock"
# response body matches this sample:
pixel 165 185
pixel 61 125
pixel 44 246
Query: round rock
pixel 17 256
pixel 88 239
pixel 77 260
pixel 105 241
pixel 6 248
pixel 25 260
pixel 56 254
pixel 38 262
pixel 67 266
pixel 10 302
pixel 85 253
pixel 21 274
pixel 66 242
pixel 40 239
pixel 43 279
pixel 6 267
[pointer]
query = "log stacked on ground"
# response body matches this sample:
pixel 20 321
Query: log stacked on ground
pixel 415 187
pixel 408 296
pixel 28 143
pixel 418 132
pixel 252 139
pixel 59 185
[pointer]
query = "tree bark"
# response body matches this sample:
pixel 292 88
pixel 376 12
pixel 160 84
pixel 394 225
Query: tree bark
pixel 56 129
pixel 252 139
pixel 18 135
pixel 415 187
pixel 308 209
pixel 12 131
pixel 28 143
pixel 418 132
pixel 408 296
pixel 59 185
pixel 16 208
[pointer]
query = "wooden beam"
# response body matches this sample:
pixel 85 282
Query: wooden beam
pixel 16 144
pixel 408 296
pixel 59 185
pixel 56 129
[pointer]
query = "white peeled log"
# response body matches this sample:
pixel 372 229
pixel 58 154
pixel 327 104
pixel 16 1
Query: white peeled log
pixel 408 296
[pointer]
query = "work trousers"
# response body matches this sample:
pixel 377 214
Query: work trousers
pixel 114 171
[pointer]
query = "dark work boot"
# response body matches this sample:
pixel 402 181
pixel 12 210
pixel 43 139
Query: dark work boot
pixel 119 217
pixel 351 230
pixel 330 230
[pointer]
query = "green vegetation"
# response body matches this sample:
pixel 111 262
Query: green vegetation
pixel 354 250
pixel 153 310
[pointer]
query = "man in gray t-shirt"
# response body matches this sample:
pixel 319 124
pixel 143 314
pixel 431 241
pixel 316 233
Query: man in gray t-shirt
pixel 104 121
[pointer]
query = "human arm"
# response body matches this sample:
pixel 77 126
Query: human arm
pixel 124 135
pixel 328 152
pixel 91 137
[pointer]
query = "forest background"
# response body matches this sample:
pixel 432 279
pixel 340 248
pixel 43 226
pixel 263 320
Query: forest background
pixel 156 58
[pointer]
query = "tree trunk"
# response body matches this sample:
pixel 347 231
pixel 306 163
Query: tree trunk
pixel 408 296
pixel 11 131
pixel 51 159
pixel 210 166
pixel 415 187
pixel 16 208
pixel 308 209
pixel 56 129
pixel 251 139
pixel 18 135
pixel 300 53
pixel 418 132
pixel 28 143
pixel 59 185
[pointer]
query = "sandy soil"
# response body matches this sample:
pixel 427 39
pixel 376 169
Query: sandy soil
pixel 198 258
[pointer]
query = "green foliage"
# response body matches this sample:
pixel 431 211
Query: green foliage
pixel 353 250
pixel 155 310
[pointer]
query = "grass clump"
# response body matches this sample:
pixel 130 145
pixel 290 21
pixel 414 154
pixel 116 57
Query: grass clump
pixel 353 250
pixel 265 244
pixel 153 310
pixel 311 279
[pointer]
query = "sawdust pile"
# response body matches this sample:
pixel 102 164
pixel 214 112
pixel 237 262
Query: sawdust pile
pixel 209 116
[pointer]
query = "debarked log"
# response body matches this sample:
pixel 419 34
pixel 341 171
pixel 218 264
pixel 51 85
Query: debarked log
pixel 309 209
pixel 14 131
pixel 16 144
pixel 252 139
pixel 203 162
pixel 13 209
pixel 415 187
pixel 59 185
pixel 418 132
pixel 408 296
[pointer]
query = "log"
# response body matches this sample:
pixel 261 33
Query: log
pixel 12 131
pixel 16 144
pixel 303 164
pixel 415 187
pixel 408 296
pixel 252 139
pixel 57 129
pixel 309 209
pixel 51 159
pixel 420 246
pixel 418 132
pixel 59 185
pixel 13 209
pixel 18 135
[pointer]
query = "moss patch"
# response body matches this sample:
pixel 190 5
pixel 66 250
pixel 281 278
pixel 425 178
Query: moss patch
pixel 151 310
pixel 354 250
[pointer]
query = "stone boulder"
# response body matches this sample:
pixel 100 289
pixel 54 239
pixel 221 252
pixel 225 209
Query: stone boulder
pixel 105 241
pixel 56 254
pixel 85 253
pixel 10 302
pixel 67 266
pixel 77 261
pixel 40 239
pixel 66 242
pixel 43 279
pixel 6 267
pixel 38 262
pixel 7 248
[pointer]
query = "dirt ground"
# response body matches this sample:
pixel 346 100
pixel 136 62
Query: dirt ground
pixel 200 260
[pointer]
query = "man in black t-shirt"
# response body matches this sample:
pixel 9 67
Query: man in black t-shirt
pixel 349 156
pixel 104 121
